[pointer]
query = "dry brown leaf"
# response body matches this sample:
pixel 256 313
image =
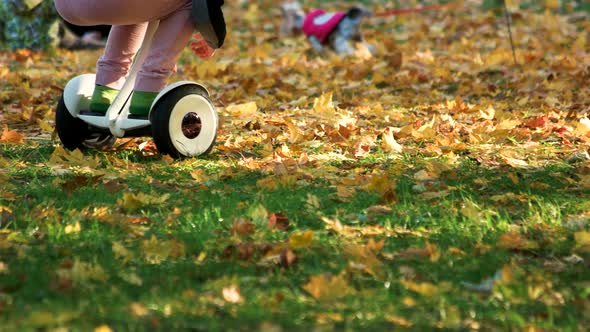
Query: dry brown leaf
pixel 243 227
pixel 516 241
pixel 278 220
pixel 389 143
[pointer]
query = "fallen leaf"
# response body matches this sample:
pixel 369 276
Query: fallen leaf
pixel 103 328
pixel 121 252
pixel 73 228
pixel 232 294
pixel 377 210
pixel 11 136
pixel 582 241
pixel 132 202
pixel 243 227
pixel 537 122
pixel 345 194
pixel 325 287
pixel 278 221
pixel 516 241
pixel 156 251
pixel 61 157
pixel 138 309
pixel 398 321
pixel 83 272
pixel 516 163
pixel 389 143
pixel 423 288
pixel 301 239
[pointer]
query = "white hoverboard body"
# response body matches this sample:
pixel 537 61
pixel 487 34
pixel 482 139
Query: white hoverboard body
pixel 182 119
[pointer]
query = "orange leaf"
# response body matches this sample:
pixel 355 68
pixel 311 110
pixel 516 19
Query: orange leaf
pixel 11 136
pixel 537 122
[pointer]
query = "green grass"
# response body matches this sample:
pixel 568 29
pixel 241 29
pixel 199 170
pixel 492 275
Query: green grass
pixel 472 237
pixel 38 290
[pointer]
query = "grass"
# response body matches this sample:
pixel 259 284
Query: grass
pixel 77 280
pixel 480 222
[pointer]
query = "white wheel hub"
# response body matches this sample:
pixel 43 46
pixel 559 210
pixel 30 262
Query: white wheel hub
pixel 193 125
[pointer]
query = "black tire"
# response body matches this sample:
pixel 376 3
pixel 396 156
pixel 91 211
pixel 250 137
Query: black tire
pixel 76 134
pixel 71 131
pixel 160 118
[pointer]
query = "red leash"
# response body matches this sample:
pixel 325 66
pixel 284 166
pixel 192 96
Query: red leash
pixel 401 11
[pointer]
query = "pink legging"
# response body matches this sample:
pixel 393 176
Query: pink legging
pixel 129 19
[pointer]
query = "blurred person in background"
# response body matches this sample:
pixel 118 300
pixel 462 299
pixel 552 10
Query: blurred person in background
pixel 35 25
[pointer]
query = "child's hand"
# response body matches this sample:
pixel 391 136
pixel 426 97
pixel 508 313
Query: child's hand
pixel 200 47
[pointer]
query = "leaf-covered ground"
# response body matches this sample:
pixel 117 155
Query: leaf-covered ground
pixel 435 185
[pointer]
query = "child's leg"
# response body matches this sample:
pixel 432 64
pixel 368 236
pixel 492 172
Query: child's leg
pixel 171 37
pixel 112 67
pixel 122 45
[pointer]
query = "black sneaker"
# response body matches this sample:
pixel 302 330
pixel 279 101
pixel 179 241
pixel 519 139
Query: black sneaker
pixel 208 20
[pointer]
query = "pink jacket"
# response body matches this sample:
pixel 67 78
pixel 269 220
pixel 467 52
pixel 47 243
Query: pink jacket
pixel 320 24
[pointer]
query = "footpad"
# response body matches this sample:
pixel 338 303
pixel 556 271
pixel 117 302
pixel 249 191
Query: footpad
pixel 91 113
pixel 137 117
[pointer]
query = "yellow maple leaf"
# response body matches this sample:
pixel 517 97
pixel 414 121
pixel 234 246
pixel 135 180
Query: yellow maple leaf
pixel 325 287
pixel 258 214
pixel 323 104
pixel 364 257
pixel 470 210
pixel 246 110
pixel 103 328
pixel 313 202
pixel 294 132
pixel 582 241
pixel 73 228
pixel 424 288
pixel 380 183
pixel 552 4
pixel 433 251
pixel 121 252
pixel 61 157
pixel 45 126
pixel 156 251
pixel 301 239
pixel 131 278
pixel 131 201
pixel 200 176
pixel 514 162
pixel 83 272
pixel 46 318
pixel 397 320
